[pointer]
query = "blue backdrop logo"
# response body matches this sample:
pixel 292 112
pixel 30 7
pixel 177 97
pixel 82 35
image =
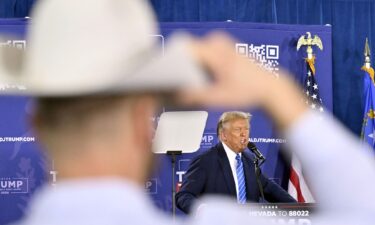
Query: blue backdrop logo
pixel 208 140
pixel 268 140
pixel 17 139
pixel 183 165
pixel 151 186
pixel 14 185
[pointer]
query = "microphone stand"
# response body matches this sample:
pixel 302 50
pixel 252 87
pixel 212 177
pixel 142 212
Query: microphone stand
pixel 257 174
pixel 173 155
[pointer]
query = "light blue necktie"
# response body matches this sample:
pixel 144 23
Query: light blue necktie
pixel 241 197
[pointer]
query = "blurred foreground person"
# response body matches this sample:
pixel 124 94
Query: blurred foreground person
pixel 97 84
pixel 98 78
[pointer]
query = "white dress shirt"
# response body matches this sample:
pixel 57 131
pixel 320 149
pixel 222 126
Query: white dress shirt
pixel 233 163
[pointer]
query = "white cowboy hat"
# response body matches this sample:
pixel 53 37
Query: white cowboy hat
pixel 80 47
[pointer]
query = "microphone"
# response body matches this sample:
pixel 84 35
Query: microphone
pixel 255 150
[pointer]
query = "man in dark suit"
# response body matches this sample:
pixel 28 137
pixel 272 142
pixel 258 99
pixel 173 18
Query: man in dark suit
pixel 226 169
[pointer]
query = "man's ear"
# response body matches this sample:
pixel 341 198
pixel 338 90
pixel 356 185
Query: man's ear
pixel 142 111
pixel 223 136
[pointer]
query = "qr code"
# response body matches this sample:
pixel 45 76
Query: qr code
pixel 266 56
pixel 20 44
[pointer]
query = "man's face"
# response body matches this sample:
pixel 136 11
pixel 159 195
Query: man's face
pixel 235 134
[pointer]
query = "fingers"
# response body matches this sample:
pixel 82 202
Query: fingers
pixel 215 53
pixel 216 96
pixel 236 82
pixel 202 97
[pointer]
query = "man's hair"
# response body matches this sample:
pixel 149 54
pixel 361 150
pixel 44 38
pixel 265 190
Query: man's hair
pixel 230 116
pixel 54 113
pixel 56 118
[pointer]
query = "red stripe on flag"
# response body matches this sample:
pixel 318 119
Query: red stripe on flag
pixel 178 186
pixel 294 178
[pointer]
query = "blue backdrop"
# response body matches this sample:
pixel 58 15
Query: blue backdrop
pixel 23 168
pixel 351 20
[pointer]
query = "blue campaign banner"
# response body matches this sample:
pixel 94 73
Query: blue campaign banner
pixel 24 168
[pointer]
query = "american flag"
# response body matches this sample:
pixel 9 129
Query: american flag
pixel 298 187
pixel 311 88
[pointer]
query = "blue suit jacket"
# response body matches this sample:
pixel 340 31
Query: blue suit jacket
pixel 210 173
